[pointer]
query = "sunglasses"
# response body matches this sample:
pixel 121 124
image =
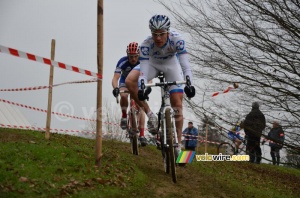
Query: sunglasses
pixel 154 34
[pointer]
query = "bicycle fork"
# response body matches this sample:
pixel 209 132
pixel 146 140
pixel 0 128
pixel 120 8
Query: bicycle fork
pixel 164 126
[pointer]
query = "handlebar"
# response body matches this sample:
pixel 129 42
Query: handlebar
pixel 163 83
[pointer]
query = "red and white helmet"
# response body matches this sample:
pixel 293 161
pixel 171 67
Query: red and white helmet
pixel 133 48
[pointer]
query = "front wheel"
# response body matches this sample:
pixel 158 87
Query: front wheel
pixel 226 148
pixel 170 140
pixel 134 137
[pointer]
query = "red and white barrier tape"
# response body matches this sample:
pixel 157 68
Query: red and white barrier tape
pixel 45 111
pixel 223 92
pixel 43 129
pixel 60 114
pixel 46 87
pixel 52 130
pixel 47 61
pixel 201 139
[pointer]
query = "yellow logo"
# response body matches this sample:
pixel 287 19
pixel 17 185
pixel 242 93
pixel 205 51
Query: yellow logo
pixel 221 157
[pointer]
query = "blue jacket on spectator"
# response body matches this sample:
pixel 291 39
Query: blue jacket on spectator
pixel 191 141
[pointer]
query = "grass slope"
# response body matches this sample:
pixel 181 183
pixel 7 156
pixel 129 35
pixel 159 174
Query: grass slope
pixel 63 166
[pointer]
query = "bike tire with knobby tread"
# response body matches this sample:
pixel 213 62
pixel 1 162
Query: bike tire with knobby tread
pixel 164 151
pixel 170 141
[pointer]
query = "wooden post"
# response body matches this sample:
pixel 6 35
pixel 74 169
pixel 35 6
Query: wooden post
pixel 206 132
pixel 48 121
pixel 99 83
pixel 198 143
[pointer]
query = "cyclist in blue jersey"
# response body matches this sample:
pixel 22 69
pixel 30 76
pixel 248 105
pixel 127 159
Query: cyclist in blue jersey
pixel 163 51
pixel 125 65
pixel 234 135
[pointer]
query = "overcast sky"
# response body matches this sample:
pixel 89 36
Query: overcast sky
pixel 29 26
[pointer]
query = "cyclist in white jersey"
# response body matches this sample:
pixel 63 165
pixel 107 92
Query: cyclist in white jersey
pixel 163 51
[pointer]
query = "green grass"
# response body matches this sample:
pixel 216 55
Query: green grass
pixel 64 166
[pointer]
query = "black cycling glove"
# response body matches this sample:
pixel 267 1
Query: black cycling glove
pixel 190 91
pixel 144 95
pixel 116 91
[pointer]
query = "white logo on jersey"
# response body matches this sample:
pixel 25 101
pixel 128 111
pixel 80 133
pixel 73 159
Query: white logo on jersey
pixel 145 51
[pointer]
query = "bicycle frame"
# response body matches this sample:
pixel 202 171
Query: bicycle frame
pixel 232 148
pixel 166 104
pixel 167 115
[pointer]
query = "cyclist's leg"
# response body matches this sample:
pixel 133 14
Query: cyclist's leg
pixel 147 73
pixel 238 142
pixel 141 117
pixel 123 103
pixel 176 103
pixel 174 73
pixel 132 85
pixel 234 139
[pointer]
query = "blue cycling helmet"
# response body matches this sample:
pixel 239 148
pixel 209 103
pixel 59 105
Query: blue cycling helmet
pixel 159 22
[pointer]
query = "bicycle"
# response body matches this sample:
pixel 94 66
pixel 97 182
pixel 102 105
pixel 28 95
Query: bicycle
pixel 166 121
pixel 229 148
pixel 132 124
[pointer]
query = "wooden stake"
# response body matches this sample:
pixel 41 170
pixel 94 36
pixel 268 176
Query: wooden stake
pixel 99 84
pixel 48 121
pixel 206 132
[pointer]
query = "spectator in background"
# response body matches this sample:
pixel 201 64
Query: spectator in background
pixel 254 124
pixel 190 134
pixel 276 136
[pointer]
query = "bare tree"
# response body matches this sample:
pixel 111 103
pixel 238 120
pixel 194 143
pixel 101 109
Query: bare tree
pixel 253 42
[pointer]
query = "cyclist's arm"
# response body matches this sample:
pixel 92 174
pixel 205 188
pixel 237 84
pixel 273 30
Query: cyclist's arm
pixel 144 70
pixel 144 61
pixel 185 65
pixel 115 80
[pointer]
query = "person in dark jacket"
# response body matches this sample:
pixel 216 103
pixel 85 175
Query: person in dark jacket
pixel 190 134
pixel 254 124
pixel 276 137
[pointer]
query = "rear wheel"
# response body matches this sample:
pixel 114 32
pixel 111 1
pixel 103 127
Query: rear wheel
pixel 225 148
pixel 134 138
pixel 170 141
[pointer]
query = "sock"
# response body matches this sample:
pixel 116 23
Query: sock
pixel 124 114
pixel 142 132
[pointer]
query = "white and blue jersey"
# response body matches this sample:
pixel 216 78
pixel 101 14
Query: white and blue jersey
pixel 234 133
pixel 124 68
pixel 172 59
